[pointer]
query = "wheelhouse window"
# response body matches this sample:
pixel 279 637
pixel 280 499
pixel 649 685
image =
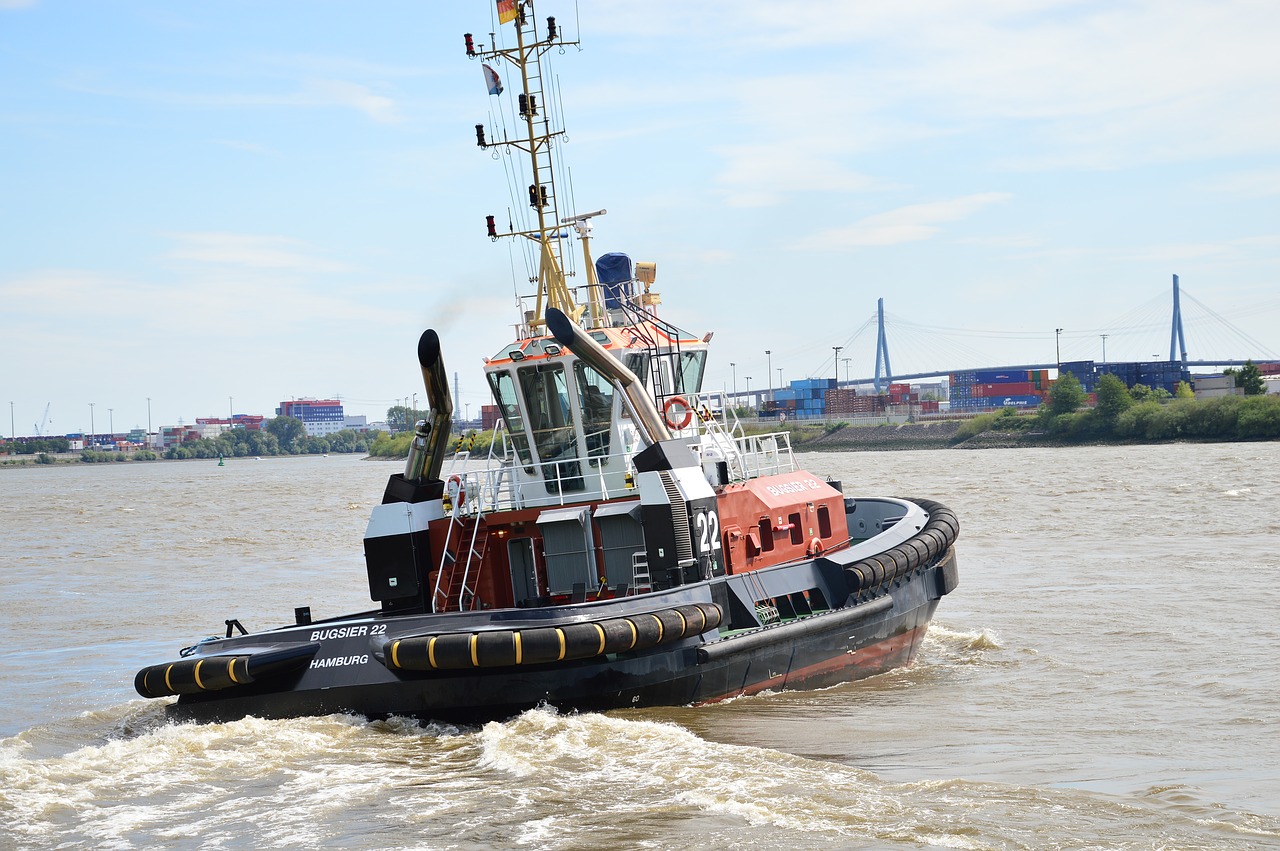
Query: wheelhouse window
pixel 674 372
pixel 595 397
pixel 504 393
pixel 551 425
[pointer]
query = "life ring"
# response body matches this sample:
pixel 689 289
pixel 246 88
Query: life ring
pixel 674 402
pixel 456 481
pixel 815 547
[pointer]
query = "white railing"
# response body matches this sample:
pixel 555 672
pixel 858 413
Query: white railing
pixel 493 483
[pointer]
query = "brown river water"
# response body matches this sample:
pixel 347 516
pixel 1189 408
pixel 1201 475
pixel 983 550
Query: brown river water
pixel 1105 676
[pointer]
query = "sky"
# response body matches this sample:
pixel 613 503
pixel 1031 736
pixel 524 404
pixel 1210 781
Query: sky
pixel 219 206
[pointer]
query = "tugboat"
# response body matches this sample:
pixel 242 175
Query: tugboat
pixel 622 546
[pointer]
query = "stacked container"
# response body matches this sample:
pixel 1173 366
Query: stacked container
pixel 988 389
pixel 846 402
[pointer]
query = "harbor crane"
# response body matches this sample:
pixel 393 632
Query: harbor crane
pixel 44 421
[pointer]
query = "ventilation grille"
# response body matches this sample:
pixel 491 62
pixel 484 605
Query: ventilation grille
pixel 679 518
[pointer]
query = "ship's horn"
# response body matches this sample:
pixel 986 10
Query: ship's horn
pixel 432 439
pixel 573 338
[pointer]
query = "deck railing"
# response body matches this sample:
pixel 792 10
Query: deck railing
pixel 495 483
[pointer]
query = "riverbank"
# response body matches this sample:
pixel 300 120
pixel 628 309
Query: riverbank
pixel 934 435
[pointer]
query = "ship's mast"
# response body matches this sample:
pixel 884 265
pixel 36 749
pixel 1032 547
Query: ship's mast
pixel 538 141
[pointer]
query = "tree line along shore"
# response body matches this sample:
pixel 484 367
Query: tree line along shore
pixel 1121 415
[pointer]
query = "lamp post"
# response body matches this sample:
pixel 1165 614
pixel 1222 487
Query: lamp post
pixel 734 367
pixel 768 376
pixel 837 363
pixel 231 408
pixel 90 443
pixel 749 391
pixel 111 422
pixel 13 432
pixel 1104 346
pixel 1057 346
pixel 780 384
pixel 148 422
pixel 846 369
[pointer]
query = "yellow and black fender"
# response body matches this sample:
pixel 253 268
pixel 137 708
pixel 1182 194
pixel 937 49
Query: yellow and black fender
pixel 542 645
pixel 200 674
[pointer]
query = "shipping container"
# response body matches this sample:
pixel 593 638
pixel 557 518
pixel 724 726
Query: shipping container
pixel 1015 401
pixel 997 376
pixel 1012 388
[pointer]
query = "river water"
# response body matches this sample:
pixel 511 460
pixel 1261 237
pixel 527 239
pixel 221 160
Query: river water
pixel 1104 677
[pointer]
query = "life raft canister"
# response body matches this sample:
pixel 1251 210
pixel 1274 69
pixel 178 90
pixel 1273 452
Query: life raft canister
pixel 677 406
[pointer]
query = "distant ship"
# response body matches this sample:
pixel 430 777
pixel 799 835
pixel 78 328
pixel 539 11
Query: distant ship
pixel 623 546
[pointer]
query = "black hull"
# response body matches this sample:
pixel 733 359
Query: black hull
pixel 867 635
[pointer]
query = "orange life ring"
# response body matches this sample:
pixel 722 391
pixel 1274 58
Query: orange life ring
pixel 815 547
pixel 456 479
pixel 673 402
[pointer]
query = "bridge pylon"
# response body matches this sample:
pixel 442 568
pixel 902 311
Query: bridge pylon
pixel 884 373
pixel 1177 340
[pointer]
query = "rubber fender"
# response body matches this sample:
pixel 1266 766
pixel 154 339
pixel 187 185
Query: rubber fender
pixel 712 614
pixel 899 566
pixel 620 635
pixel 919 552
pixel 928 505
pixel 947 523
pixel 192 676
pixel 648 629
pixel 497 649
pixel 543 645
pixel 673 625
pixel 877 569
pixel 197 675
pixel 451 651
pixel 696 620
pixel 935 540
pixel 856 576
pixel 941 518
pixel 583 640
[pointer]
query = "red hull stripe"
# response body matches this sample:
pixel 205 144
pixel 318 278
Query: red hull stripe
pixel 872 657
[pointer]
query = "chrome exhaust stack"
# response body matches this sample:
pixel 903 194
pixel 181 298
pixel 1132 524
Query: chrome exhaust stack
pixel 431 438
pixel 569 335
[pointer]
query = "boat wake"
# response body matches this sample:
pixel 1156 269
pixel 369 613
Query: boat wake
pixel 542 779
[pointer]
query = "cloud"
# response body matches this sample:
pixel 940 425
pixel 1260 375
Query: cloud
pixel 763 175
pixel 1078 85
pixel 354 96
pixel 913 223
pixel 311 93
pixel 1247 184
pixel 1191 251
pixel 248 250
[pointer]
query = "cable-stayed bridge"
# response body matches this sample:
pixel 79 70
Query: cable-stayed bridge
pixel 1216 343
